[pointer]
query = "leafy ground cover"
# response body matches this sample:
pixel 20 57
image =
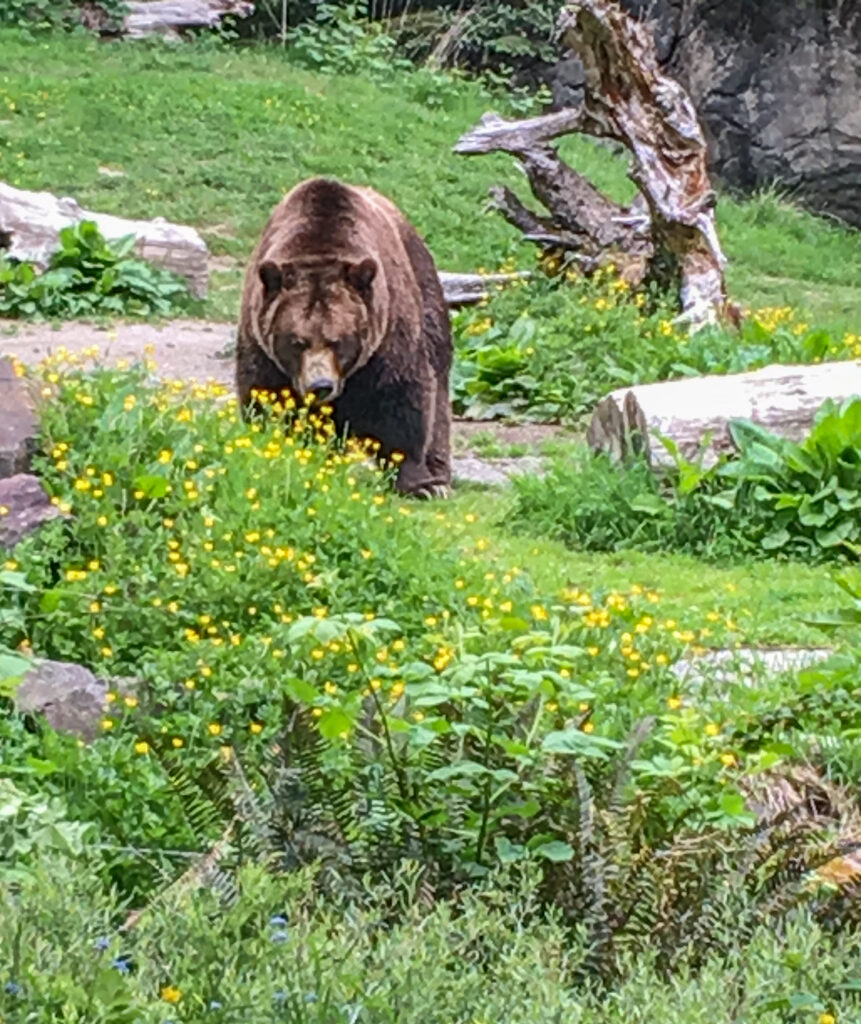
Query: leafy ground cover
pixel 514 808
pixel 444 712
pixel 771 496
pixel 89 277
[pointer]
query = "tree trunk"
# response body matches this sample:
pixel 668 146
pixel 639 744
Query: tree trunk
pixel 668 233
pixel 695 413
pixel 30 225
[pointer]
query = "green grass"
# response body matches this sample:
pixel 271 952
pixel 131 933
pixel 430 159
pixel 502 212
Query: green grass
pixel 213 137
pixel 769 601
pixel 172 551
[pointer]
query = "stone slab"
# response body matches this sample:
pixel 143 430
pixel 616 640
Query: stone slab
pixel 24 506
pixel 19 428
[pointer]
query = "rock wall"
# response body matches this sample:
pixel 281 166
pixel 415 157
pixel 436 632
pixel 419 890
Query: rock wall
pixel 777 84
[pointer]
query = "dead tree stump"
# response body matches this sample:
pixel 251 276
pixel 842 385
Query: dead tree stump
pixel 668 233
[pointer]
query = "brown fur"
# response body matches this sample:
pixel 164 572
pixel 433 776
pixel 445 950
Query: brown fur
pixel 341 290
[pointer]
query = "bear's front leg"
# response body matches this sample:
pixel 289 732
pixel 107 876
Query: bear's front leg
pixel 423 474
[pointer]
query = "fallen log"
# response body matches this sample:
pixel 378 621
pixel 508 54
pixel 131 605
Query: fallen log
pixel 467 289
pixel 170 17
pixel 695 413
pixel 668 233
pixel 30 225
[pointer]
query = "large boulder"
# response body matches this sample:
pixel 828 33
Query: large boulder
pixel 69 696
pixel 777 86
pixel 24 506
pixel 19 430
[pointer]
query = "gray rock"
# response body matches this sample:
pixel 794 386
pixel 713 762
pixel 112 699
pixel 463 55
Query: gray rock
pixel 19 430
pixel 747 664
pixel 492 472
pixel 776 85
pixel 24 505
pixel 70 697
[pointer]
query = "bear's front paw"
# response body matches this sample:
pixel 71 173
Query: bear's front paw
pixel 430 491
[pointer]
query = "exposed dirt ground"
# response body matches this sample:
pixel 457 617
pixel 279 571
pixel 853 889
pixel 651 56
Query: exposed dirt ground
pixel 197 349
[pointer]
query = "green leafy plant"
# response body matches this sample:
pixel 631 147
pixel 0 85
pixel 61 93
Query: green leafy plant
pixel 810 492
pixel 551 347
pixel 771 495
pixel 88 276
pixel 33 823
pixel 51 14
pixel 339 40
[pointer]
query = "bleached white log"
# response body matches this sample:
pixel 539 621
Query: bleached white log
pixel 30 225
pixel 466 289
pixel 695 413
pixel 166 17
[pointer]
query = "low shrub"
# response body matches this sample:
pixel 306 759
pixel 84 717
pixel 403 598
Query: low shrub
pixel 240 597
pixel 88 276
pixel 551 347
pixel 772 496
pixel 281 953
pixel 52 14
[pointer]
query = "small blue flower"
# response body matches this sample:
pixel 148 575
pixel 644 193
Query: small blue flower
pixel 279 996
pixel 310 997
pixel 121 964
pixel 12 988
pixel 102 943
pixel 280 936
pixel 214 1004
pixel 278 921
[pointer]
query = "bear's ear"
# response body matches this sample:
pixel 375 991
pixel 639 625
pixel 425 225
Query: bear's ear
pixel 270 275
pixel 360 275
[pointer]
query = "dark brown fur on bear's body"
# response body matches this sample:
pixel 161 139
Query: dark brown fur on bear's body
pixel 341 281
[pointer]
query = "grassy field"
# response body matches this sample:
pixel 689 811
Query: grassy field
pixel 367 759
pixel 214 137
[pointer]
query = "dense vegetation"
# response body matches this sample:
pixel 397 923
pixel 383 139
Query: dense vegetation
pixel 384 761
pixel 88 276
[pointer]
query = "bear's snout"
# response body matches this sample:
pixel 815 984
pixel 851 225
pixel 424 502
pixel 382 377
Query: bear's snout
pixel 322 389
pixel 320 375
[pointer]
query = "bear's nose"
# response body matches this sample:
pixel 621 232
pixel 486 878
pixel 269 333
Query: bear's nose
pixel 322 388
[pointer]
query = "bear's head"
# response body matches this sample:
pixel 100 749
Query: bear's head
pixel 316 322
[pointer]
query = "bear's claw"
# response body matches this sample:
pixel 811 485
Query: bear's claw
pixel 432 491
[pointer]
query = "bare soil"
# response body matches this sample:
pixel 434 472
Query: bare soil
pixel 203 350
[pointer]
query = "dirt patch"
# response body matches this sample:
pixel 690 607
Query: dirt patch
pixel 182 349
pixel 528 435
pixel 203 350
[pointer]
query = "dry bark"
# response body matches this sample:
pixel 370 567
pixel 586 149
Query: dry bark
pixel 30 225
pixel 669 232
pixel 695 413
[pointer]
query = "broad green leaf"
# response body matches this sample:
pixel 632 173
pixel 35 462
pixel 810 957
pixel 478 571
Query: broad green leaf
pixel 555 850
pixel 152 485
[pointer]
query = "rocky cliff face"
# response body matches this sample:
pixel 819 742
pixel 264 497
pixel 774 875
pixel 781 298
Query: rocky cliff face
pixel 777 84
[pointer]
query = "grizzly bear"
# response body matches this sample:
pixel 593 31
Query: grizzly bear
pixel 342 302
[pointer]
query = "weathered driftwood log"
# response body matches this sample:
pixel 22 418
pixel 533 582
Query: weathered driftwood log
pixel 669 232
pixel 30 225
pixel 695 413
pixel 169 17
pixel 466 289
